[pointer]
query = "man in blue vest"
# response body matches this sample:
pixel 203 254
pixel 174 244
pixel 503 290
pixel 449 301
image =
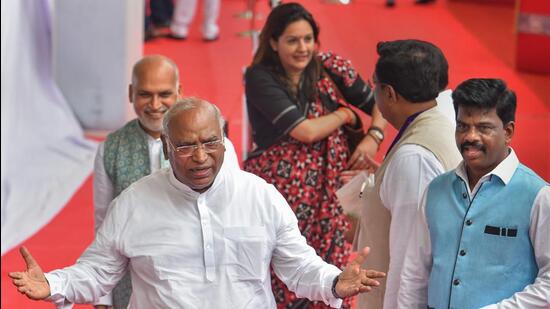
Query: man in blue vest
pixel 482 235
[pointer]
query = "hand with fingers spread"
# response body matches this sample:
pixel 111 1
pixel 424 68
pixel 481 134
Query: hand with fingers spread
pixel 363 156
pixel 32 281
pixel 354 280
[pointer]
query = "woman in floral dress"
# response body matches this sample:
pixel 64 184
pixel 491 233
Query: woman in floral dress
pixel 297 113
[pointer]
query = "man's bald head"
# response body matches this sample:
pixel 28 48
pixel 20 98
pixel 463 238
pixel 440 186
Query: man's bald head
pixel 154 61
pixel 154 88
pixel 189 103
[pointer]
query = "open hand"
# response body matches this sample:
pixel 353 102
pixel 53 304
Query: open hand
pixel 31 282
pixel 354 280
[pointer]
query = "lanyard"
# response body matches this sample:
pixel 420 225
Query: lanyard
pixel 404 127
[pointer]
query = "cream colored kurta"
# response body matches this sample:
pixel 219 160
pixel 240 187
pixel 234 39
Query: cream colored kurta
pixel 432 131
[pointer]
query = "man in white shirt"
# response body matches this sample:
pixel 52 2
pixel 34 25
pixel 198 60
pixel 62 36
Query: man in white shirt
pixel 444 99
pixel 155 87
pixel 481 237
pixel 406 83
pixel 197 235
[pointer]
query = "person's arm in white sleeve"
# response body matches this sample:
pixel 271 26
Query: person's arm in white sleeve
pixel 295 262
pixel 537 294
pixel 103 188
pixel 103 196
pixel 413 287
pixel 99 268
pixel 407 176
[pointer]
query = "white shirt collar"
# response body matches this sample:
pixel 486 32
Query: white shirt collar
pixel 192 193
pixel 504 170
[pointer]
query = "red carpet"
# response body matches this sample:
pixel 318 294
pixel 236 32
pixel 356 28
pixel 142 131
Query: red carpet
pixel 479 41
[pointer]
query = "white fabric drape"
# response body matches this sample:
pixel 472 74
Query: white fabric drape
pixel 45 156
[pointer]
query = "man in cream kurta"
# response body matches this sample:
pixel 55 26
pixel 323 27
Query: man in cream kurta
pixel 406 85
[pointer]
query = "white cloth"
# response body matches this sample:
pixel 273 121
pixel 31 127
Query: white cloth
pixel 408 174
pixel 103 186
pixel 45 155
pixel 184 10
pixel 413 292
pixel 190 250
pixel 445 105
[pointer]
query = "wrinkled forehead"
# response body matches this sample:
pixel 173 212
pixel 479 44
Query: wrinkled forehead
pixel 196 123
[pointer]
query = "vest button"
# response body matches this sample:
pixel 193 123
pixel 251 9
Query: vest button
pixel 468 222
pixel 456 282
pixel 464 195
pixel 462 253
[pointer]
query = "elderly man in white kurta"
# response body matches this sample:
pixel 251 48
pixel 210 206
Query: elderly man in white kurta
pixel 198 234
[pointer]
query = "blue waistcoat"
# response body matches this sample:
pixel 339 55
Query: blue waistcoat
pixel 481 249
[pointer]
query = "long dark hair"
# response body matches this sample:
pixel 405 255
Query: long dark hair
pixel 277 21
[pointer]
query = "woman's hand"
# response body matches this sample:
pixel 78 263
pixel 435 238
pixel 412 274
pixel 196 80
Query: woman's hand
pixel 347 175
pixel 363 156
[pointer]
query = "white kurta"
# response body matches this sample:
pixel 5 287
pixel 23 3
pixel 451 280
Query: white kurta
pixel 103 186
pixel 191 250
pixel 407 176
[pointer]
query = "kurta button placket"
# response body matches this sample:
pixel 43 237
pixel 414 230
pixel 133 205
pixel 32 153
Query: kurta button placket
pixel 208 239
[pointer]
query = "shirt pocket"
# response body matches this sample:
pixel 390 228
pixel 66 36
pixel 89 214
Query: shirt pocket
pixel 246 252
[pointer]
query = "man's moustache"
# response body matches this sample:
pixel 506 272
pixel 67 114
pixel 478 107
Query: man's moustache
pixel 476 146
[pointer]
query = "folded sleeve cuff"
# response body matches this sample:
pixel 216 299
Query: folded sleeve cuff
pixel 56 291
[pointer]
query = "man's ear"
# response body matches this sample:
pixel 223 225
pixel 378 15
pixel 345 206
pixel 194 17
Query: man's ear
pixel 130 91
pixel 390 93
pixel 179 91
pixel 509 130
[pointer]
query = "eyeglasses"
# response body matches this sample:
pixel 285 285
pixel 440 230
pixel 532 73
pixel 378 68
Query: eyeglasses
pixel 188 150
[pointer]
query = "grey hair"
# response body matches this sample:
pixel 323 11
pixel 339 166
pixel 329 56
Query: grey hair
pixel 152 58
pixel 188 103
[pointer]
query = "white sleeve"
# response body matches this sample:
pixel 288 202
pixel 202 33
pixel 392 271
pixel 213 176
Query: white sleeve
pixel 413 288
pixel 103 188
pixel 537 294
pixel 296 263
pixel 98 269
pixel 103 195
pixel 408 174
